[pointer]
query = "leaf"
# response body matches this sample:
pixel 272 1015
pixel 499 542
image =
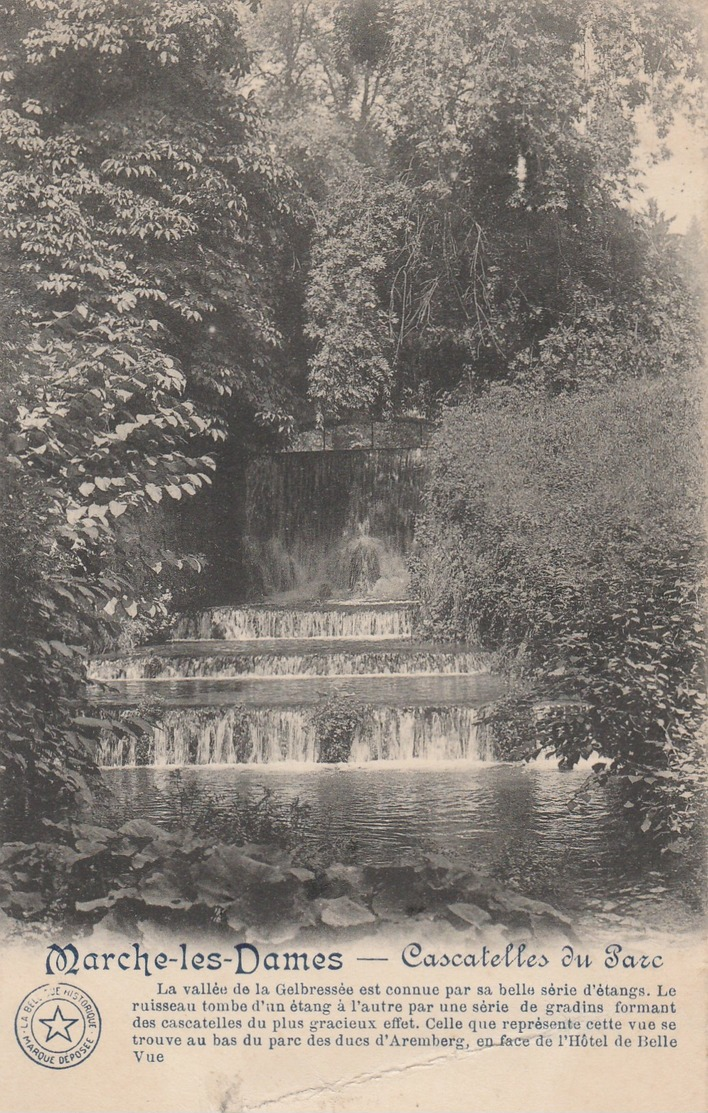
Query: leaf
pixel 173 492
pixel 142 829
pixel 155 493
pixel 343 912
pixel 117 508
pixel 302 874
pixel 27 903
pixel 100 903
pixel 470 914
pixel 165 890
pixel 143 724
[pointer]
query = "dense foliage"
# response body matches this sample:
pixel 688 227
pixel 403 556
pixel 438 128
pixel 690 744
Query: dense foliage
pixel 143 221
pixel 141 872
pixel 475 219
pixel 469 178
pixel 566 535
pixel 336 722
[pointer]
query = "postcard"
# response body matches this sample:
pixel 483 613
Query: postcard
pixel 353 556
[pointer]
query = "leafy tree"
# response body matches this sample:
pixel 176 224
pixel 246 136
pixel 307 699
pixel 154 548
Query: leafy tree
pixel 327 52
pixel 320 69
pixel 510 135
pixel 144 225
pixel 356 234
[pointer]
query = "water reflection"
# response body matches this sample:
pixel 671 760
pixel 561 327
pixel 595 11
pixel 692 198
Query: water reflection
pixel 510 819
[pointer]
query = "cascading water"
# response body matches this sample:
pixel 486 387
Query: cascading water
pixel 343 620
pixel 274 664
pixel 239 684
pixel 252 702
pixel 339 523
pixel 261 736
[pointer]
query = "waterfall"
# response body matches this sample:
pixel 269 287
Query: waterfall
pixel 385 620
pixel 330 662
pixel 329 533
pixel 197 736
pixel 334 522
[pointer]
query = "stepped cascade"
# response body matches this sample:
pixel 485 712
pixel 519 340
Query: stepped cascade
pixel 239 684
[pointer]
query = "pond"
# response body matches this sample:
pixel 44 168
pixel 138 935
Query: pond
pixel 521 822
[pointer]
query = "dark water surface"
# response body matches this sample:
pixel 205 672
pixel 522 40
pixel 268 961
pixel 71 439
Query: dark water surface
pixel 384 690
pixel 513 820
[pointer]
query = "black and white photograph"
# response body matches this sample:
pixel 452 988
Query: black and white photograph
pixel 353 526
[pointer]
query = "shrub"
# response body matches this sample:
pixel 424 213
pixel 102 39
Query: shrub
pixel 336 722
pixel 566 535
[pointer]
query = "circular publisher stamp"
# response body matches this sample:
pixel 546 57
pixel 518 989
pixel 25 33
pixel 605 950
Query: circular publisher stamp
pixel 57 1025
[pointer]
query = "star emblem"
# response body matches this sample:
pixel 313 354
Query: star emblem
pixel 58 1025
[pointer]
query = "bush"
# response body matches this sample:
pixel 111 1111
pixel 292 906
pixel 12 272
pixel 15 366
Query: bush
pixel 565 534
pixel 336 722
